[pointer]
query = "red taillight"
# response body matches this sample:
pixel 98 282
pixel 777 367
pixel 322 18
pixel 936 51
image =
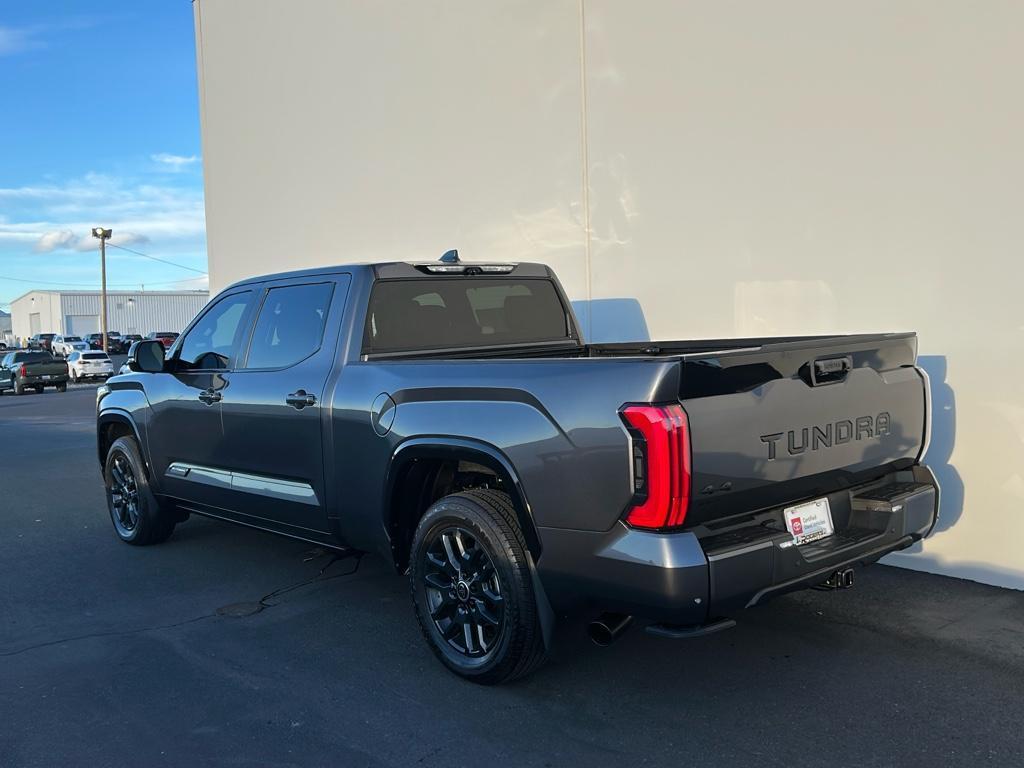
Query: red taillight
pixel 662 464
pixel 21 371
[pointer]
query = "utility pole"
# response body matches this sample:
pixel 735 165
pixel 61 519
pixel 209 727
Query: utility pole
pixel 103 235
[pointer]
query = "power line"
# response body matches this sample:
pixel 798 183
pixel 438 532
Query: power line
pixel 93 285
pixel 154 258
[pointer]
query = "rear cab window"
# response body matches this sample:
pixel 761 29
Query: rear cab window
pixel 407 315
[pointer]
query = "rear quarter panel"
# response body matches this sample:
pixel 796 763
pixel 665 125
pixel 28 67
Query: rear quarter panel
pixel 556 422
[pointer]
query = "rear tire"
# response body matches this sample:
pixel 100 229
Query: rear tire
pixel 472 588
pixel 62 387
pixel 39 389
pixel 138 516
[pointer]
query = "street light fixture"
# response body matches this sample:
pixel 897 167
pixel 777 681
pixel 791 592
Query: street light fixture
pixel 103 235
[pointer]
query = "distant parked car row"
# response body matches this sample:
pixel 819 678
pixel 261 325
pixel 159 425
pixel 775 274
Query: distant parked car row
pixel 167 338
pixel 117 344
pixel 38 369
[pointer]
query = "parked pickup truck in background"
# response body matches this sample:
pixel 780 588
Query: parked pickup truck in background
pixel 450 417
pixel 20 371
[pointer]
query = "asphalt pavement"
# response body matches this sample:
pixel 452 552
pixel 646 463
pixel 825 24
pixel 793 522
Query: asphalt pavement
pixel 112 655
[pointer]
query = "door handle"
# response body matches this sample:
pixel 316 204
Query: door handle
pixel 210 397
pixel 300 399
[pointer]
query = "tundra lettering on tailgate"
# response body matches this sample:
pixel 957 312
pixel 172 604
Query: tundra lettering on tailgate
pixel 816 437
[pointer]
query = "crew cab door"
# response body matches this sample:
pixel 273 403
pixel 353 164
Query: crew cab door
pixel 272 406
pixel 186 438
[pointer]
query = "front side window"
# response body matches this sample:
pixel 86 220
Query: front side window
pixel 290 326
pixel 213 340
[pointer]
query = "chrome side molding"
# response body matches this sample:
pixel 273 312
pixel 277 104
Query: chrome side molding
pixel 271 487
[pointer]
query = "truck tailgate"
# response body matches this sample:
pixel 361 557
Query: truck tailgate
pixel 55 370
pixel 785 421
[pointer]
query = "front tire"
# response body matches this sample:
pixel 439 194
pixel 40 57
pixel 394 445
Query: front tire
pixel 472 588
pixel 138 517
pixel 74 376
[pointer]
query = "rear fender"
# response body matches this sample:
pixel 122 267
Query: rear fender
pixel 484 454
pixel 460 449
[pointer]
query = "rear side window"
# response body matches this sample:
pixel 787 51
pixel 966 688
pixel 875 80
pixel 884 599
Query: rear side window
pixel 290 326
pixel 212 341
pixel 408 315
pixel 33 357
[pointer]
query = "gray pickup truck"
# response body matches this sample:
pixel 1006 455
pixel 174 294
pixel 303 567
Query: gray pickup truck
pixel 35 370
pixel 450 417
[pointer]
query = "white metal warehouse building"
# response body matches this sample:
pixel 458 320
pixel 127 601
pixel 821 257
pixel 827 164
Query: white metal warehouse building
pixel 78 312
pixel 690 170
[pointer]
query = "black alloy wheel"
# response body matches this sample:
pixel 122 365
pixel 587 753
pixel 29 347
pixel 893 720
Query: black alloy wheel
pixel 472 587
pixel 123 496
pixel 139 517
pixel 463 592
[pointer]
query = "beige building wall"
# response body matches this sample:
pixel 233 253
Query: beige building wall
pixel 42 303
pixel 690 169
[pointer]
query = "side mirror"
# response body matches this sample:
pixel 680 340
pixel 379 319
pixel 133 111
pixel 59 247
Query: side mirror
pixel 146 356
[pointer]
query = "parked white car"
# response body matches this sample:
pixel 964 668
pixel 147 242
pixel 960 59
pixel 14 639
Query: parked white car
pixel 89 365
pixel 65 345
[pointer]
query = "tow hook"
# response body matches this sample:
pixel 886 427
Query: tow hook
pixel 841 579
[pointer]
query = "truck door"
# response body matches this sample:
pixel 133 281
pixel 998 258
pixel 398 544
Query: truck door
pixel 272 409
pixel 186 438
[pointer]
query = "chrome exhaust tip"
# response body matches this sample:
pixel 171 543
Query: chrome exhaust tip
pixel 608 627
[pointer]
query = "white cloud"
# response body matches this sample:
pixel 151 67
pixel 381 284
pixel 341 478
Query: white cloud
pixel 54 240
pixel 14 40
pixel 58 217
pixel 174 162
pixel 66 239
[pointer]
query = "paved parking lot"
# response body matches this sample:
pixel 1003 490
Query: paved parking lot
pixel 116 656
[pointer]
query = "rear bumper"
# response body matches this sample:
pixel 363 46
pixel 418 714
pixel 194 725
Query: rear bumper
pixel 35 381
pixel 692 577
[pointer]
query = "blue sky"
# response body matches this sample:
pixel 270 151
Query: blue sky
pixel 100 125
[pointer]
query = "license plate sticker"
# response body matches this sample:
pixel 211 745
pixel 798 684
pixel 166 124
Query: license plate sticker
pixel 809 521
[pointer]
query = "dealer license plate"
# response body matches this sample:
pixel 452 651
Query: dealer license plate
pixel 809 521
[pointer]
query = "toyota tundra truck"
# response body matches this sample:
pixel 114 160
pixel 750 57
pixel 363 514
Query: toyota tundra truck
pixel 450 417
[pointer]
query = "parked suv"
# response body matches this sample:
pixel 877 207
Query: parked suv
pixel 89 365
pixel 451 418
pixel 65 345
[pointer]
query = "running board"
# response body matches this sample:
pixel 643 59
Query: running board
pixel 681 632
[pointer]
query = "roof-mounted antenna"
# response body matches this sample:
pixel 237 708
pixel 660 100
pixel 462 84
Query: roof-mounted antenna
pixel 450 257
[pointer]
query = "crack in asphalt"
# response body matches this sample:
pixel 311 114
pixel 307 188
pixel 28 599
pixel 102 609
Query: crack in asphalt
pixel 112 633
pixel 319 578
